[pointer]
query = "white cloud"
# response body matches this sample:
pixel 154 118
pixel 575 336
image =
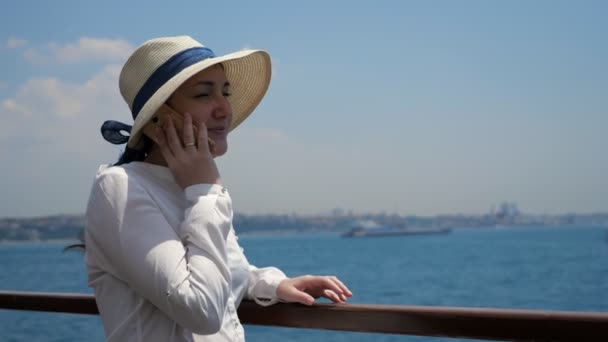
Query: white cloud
pixel 85 49
pixel 57 112
pixel 50 142
pixel 10 105
pixel 15 43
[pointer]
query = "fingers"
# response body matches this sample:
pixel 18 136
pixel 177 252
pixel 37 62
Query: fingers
pixel 202 137
pixel 173 140
pixel 303 297
pixel 211 145
pixel 162 144
pixel 291 293
pixel 334 297
pixel 189 164
pixel 304 289
pixel 345 289
pixel 333 284
pixel 324 286
pixel 188 133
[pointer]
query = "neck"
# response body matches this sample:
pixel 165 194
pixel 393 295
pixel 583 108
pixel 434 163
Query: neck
pixel 155 157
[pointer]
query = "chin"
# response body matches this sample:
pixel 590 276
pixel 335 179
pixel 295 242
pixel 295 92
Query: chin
pixel 220 150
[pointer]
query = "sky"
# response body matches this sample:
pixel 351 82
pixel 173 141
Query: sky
pixel 406 107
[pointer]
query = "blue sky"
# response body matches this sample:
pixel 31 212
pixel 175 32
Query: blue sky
pixel 412 107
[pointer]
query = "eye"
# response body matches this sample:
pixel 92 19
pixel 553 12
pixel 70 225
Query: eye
pixel 227 91
pixel 202 95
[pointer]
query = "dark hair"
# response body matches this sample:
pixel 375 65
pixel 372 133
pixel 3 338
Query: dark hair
pixel 131 154
pixel 76 246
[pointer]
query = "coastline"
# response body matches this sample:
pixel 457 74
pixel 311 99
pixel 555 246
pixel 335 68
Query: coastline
pixel 49 241
pixel 308 232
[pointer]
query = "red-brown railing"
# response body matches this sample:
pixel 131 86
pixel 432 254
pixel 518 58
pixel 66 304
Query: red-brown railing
pixel 476 323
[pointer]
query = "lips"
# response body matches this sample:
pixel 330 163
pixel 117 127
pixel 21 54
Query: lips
pixel 217 130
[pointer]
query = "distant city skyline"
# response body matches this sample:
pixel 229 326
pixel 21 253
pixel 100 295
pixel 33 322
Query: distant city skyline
pixel 408 107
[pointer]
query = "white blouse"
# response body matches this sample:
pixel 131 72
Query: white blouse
pixel 165 263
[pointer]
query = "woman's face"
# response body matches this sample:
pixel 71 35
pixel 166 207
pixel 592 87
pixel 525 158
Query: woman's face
pixel 205 97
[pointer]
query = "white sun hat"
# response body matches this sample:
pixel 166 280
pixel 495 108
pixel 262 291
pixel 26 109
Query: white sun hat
pixel 159 66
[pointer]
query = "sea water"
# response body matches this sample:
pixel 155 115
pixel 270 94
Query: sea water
pixel 548 268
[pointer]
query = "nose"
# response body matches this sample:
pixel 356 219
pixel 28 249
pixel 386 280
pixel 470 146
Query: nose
pixel 222 108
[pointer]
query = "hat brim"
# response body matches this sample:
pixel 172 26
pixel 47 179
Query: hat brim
pixel 248 71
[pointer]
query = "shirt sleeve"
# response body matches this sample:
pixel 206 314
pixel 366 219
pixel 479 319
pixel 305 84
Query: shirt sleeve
pixel 184 271
pixel 263 284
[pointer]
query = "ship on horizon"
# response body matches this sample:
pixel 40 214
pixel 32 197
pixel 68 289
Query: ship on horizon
pixel 373 229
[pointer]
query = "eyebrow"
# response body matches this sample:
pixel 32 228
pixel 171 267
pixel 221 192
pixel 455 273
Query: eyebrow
pixel 210 83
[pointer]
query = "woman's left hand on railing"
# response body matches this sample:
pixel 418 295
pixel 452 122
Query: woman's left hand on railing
pixel 305 289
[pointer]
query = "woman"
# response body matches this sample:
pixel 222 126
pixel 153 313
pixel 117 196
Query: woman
pixel 161 252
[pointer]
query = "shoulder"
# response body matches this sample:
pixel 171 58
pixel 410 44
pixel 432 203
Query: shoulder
pixel 115 185
pixel 112 179
pixel 135 183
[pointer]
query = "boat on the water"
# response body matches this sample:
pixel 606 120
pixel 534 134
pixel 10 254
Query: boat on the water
pixel 372 229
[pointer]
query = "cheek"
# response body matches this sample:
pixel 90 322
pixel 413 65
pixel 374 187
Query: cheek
pixel 200 116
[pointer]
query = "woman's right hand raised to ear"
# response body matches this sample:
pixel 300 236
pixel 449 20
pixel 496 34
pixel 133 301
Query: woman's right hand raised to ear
pixel 190 161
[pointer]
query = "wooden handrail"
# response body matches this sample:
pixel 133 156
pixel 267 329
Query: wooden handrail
pixel 491 324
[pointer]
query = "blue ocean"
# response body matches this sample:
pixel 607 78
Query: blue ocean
pixel 548 268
